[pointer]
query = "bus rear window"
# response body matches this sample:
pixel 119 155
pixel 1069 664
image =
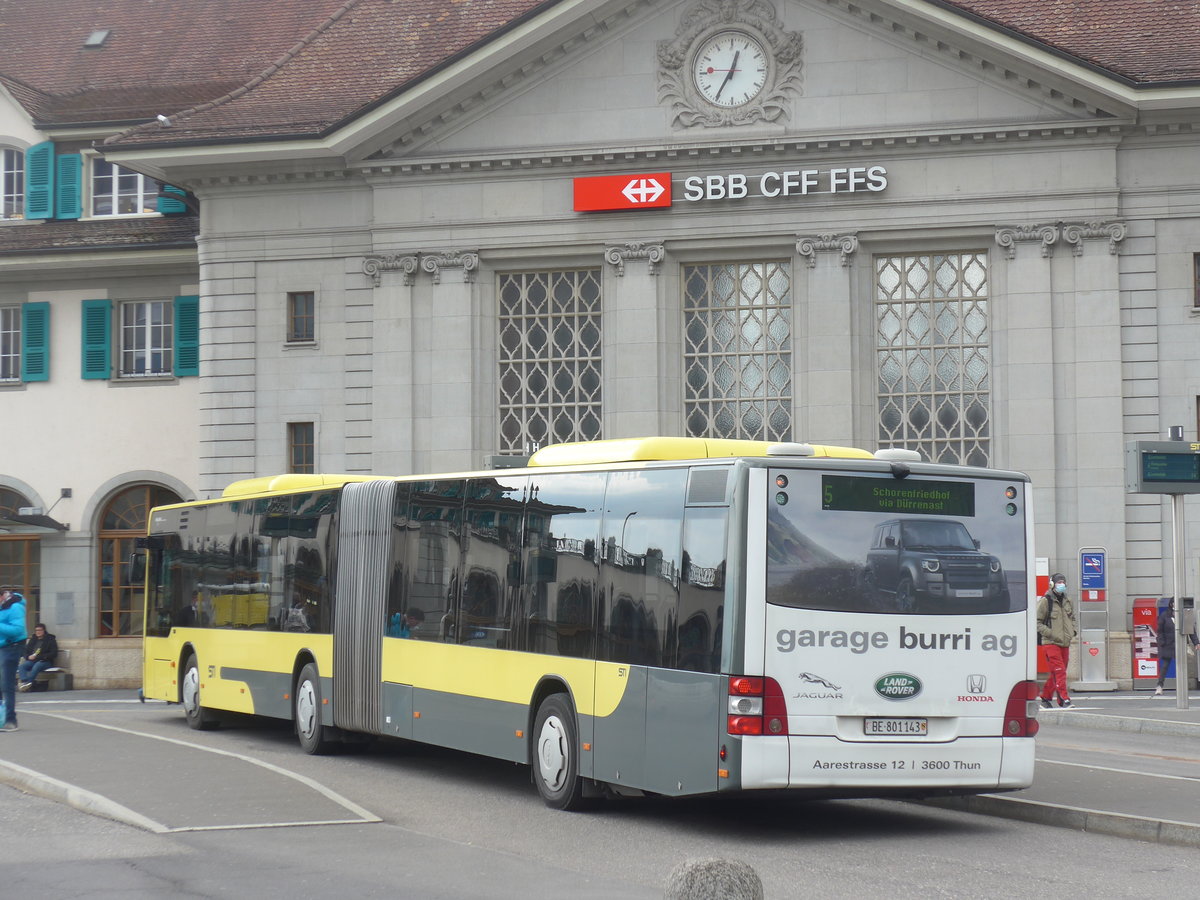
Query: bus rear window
pixel 877 544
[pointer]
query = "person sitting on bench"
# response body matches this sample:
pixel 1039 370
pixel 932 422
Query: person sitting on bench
pixel 40 651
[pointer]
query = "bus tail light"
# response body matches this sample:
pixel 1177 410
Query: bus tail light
pixel 756 706
pixel 1020 715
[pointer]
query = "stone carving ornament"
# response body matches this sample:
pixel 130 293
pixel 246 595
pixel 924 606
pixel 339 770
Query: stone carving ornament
pixel 730 63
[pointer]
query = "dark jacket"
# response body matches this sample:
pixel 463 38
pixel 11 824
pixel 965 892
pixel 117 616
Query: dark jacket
pixel 41 649
pixel 1166 633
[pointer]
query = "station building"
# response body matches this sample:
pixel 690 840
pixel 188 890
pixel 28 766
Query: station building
pixel 422 234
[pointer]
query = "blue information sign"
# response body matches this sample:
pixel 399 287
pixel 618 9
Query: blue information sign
pixel 1092 574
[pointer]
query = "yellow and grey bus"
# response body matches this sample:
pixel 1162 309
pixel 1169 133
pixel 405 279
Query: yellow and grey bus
pixel 672 616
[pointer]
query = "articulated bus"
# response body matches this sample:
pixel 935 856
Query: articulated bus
pixel 670 616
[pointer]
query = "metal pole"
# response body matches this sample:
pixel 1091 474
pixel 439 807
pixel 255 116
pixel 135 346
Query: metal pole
pixel 1178 529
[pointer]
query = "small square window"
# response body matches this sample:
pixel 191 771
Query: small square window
pixel 301 317
pixel 301 449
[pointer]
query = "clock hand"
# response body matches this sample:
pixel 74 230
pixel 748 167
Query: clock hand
pixel 728 75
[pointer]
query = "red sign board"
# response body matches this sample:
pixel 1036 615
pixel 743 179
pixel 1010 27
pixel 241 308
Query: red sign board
pixel 642 191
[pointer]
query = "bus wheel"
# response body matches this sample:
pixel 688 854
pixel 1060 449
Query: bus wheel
pixel 197 716
pixel 556 754
pixel 307 712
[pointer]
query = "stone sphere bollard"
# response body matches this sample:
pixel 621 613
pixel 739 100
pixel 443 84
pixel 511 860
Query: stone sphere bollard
pixel 713 879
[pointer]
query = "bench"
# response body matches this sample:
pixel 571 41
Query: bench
pixel 58 677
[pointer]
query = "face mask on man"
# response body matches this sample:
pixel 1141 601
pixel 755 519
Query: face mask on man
pixel 1060 588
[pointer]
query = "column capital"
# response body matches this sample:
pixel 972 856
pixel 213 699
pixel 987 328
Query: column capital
pixel 1076 233
pixel 809 245
pixel 374 266
pixel 1009 236
pixel 466 260
pixel 617 255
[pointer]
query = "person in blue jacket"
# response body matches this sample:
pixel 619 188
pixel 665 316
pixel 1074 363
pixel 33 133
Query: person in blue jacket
pixel 12 643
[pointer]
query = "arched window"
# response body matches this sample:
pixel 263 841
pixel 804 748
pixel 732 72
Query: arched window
pixel 121 523
pixel 20 557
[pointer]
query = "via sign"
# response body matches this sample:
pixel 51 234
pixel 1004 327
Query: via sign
pixel 653 189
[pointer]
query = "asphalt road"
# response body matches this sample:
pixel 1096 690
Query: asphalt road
pixel 242 812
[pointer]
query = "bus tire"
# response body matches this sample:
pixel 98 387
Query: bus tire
pixel 197 716
pixel 306 712
pixel 556 754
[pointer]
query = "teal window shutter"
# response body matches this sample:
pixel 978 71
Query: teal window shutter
pixel 169 206
pixel 97 338
pixel 68 186
pixel 39 181
pixel 35 342
pixel 187 336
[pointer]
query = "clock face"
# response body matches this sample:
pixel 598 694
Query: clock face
pixel 730 68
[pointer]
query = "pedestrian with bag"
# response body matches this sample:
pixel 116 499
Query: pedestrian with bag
pixel 1056 630
pixel 1166 642
pixel 12 644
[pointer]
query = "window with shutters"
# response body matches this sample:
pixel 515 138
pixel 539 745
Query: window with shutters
pixel 12 190
pixel 141 339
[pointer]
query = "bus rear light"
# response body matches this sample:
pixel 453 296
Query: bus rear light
pixel 756 706
pixel 1020 714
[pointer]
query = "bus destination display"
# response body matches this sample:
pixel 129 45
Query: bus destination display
pixel 888 495
pixel 1170 467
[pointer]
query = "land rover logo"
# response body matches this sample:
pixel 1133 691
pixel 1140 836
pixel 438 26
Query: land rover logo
pixel 898 686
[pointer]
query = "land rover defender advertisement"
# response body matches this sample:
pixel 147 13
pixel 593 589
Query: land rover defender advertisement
pixel 878 544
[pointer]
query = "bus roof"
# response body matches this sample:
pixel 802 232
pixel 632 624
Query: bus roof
pixel 584 453
pixel 267 484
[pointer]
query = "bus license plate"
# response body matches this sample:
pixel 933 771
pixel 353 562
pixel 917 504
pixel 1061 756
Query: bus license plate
pixel 898 727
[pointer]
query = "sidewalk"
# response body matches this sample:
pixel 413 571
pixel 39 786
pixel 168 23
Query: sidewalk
pixel 1122 763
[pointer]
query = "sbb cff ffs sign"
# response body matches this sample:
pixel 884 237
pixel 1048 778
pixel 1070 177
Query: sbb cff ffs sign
pixel 643 191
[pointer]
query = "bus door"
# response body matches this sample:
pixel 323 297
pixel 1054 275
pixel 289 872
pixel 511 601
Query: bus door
pixel 363 572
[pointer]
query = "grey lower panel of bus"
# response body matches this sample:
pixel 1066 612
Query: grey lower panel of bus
pixel 272 691
pixel 680 714
pixel 666 745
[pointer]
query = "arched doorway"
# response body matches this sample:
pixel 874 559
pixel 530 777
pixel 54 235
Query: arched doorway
pixel 122 521
pixel 21 557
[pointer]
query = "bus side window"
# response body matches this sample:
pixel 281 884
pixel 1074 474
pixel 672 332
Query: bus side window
pixel 702 589
pixel 559 564
pixel 492 559
pixel 434 549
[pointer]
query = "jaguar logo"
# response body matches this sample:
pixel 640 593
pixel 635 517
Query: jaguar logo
pixel 817 679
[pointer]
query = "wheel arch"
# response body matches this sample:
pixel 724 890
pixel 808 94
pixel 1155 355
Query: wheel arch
pixel 547 687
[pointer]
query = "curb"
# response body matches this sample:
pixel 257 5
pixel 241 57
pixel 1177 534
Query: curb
pixel 1128 724
pixel 31 782
pixel 1095 821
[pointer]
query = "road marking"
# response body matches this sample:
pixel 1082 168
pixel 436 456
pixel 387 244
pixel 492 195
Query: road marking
pixel 363 814
pixel 1055 762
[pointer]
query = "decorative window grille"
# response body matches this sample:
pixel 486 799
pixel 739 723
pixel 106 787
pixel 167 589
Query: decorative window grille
pixel 550 358
pixel 10 343
pixel 738 350
pixel 933 355
pixel 147 338
pixel 12 184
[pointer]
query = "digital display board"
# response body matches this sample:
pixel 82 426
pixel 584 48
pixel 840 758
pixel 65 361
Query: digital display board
pixel 1162 467
pixel 907 497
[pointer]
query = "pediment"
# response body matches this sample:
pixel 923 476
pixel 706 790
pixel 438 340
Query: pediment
pixel 838 71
